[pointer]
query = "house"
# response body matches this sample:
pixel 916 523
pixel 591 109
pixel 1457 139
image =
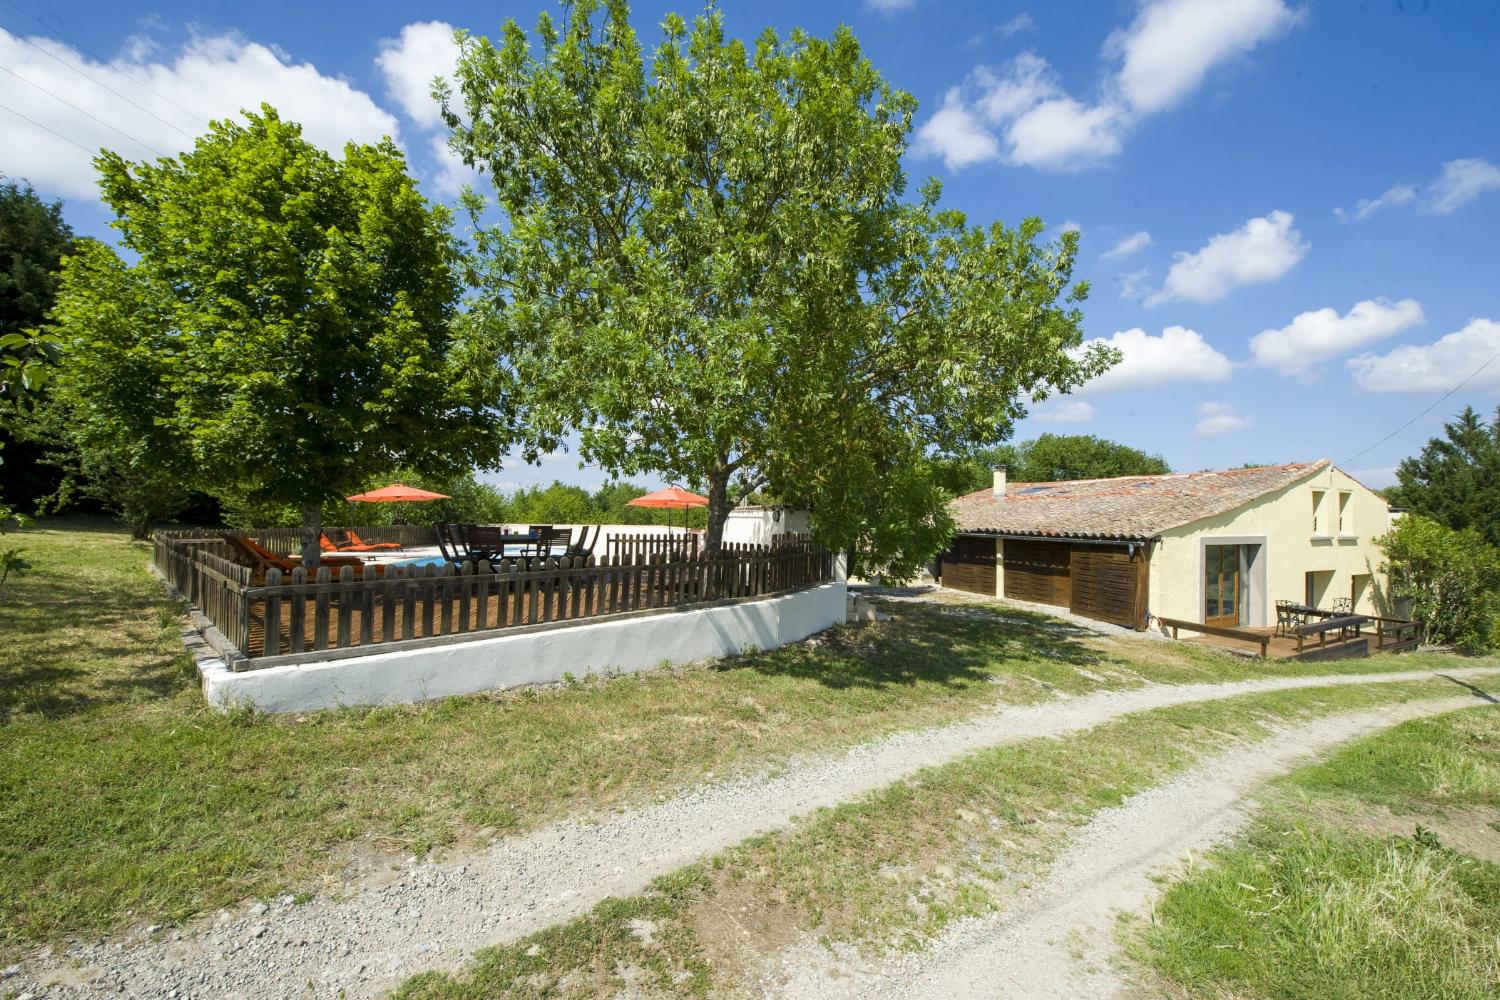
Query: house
pixel 1218 548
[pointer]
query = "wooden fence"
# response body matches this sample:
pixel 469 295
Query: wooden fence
pixel 652 546
pixel 297 613
pixel 288 541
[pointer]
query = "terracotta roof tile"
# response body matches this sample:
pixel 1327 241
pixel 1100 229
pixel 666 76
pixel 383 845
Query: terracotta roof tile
pixel 1127 507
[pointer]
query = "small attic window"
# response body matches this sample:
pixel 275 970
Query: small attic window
pixel 1036 489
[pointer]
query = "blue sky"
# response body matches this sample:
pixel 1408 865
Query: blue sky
pixel 1289 211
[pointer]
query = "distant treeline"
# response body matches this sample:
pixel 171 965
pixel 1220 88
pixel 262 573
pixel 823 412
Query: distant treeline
pixel 474 502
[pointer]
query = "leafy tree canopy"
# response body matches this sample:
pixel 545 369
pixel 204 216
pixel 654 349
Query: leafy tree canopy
pixel 706 265
pixel 298 312
pixel 1456 478
pixel 1050 457
pixel 33 240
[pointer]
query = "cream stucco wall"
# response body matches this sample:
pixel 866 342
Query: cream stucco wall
pixel 1281 528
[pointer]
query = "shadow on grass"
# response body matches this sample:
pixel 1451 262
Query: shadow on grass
pixel 951 646
pixel 73 642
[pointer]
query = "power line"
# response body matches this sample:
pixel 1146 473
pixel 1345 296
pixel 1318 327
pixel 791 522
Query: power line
pixel 82 111
pixel 96 57
pixel 1429 409
pixel 100 83
pixel 49 128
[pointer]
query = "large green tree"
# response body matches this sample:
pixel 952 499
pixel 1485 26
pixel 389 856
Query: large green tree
pixel 300 312
pixel 1047 458
pixel 33 240
pixel 706 264
pixel 1456 478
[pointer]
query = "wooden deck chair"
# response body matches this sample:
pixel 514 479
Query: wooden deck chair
pixel 354 543
pixel 248 552
pixel 588 537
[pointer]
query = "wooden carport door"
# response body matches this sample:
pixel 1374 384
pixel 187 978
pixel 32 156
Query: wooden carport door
pixel 1110 584
pixel 970 565
pixel 1038 572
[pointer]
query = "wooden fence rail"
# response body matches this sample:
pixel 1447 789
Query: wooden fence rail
pixel 295 613
pixel 649 546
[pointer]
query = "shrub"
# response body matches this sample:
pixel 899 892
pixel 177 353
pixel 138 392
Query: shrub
pixel 1451 577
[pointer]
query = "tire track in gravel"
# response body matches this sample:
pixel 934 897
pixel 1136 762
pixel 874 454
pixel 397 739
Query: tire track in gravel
pixel 375 933
pixel 1059 940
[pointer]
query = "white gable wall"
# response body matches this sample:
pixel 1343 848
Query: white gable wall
pixel 1281 527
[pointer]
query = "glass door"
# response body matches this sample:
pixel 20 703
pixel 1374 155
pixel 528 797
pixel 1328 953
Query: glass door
pixel 1221 585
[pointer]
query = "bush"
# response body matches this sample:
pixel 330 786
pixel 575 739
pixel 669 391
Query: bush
pixel 1451 577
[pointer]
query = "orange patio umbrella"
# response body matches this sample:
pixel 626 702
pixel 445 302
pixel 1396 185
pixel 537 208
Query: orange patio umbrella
pixel 672 496
pixel 397 492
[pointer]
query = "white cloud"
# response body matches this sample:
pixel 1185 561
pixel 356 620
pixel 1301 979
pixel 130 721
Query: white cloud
pixel 1315 336
pixel 1172 44
pixel 1063 134
pixel 1435 367
pixel 1365 207
pixel 1068 411
pixel 1134 243
pixel 957 135
pixel 1261 250
pixel 1021 22
pixel 1460 183
pixel 1070 226
pixel 1022 115
pixel 1218 418
pixel 450 175
pixel 1178 355
pixel 212 77
pixel 1135 285
pixel 409 63
pixel 889 6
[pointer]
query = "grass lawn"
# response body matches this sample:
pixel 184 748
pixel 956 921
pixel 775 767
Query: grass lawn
pixel 1375 873
pixel 890 870
pixel 123 798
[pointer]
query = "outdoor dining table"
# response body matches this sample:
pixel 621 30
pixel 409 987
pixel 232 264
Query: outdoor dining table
pixel 509 544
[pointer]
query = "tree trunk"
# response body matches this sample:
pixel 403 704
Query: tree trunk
pixel 312 530
pixel 718 510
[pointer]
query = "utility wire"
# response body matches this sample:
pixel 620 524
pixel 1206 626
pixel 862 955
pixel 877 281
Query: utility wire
pixel 100 83
pixel 64 100
pixel 96 57
pixel 49 128
pixel 1429 409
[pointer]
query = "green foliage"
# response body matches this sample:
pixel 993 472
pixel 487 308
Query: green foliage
pixel 298 310
pixel 474 502
pixel 1451 577
pixel 33 239
pixel 108 421
pixel 705 265
pixel 1456 479
pixel 1047 458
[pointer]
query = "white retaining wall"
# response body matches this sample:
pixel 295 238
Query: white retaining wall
pixel 622 645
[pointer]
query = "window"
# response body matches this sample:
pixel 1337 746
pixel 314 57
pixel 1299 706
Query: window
pixel 1317 507
pixel 1346 514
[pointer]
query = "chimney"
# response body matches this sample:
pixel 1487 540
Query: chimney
pixel 999 492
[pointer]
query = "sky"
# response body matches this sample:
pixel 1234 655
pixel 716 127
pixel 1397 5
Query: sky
pixel 1289 211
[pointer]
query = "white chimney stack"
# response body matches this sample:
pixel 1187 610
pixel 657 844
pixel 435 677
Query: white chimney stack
pixel 999 482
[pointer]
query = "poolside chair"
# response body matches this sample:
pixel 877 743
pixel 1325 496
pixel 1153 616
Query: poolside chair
pixel 353 543
pixel 586 541
pixel 549 536
pixel 247 552
pixel 453 543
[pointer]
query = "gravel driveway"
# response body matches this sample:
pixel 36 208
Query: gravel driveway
pixel 375 932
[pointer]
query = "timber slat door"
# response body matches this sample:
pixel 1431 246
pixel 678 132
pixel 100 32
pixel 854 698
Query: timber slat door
pixel 1038 571
pixel 970 565
pixel 1109 584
